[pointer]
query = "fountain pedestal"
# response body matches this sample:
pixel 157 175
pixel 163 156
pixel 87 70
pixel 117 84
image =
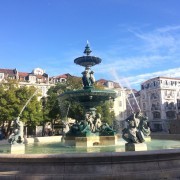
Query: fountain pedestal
pixel 17 148
pixel 108 140
pixel 86 141
pixel 135 147
pixel 147 139
pixel 91 141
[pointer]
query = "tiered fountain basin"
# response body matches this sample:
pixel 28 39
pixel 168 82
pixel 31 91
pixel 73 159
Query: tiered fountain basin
pixel 88 97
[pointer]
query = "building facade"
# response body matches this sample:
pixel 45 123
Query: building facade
pixel 160 101
pixel 59 79
pixel 37 78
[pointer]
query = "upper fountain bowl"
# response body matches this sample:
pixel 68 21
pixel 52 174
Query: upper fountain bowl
pixel 87 61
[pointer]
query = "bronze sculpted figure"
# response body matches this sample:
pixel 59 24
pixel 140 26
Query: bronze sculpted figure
pixel 91 124
pixel 88 78
pixel 17 134
pixel 137 128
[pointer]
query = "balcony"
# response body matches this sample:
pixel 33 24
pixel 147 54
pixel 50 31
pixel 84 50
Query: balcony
pixel 169 97
pixel 170 108
pixel 155 108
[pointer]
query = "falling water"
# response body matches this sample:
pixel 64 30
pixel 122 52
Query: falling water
pixel 27 102
pixel 132 93
pixel 67 111
pixel 129 104
pixel 118 80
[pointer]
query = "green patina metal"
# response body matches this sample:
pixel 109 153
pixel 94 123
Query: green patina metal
pixel 89 97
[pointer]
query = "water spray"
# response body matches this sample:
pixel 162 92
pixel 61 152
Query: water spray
pixel 132 93
pixel 117 79
pixel 28 102
pixel 67 111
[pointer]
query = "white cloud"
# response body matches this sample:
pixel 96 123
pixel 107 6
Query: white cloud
pixel 156 49
pixel 131 63
pixel 137 80
pixel 161 40
pixel 169 28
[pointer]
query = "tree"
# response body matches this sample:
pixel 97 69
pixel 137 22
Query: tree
pixel 107 115
pixel 32 114
pixel 12 100
pixel 74 83
pixel 60 110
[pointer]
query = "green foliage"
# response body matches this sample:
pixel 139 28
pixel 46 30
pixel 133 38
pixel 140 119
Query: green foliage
pixel 106 114
pixel 73 83
pixel 62 110
pixel 12 101
pixel 8 102
pixel 98 86
pixel 51 106
pixel 76 111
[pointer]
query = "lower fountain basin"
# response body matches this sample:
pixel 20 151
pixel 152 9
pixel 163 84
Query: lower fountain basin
pixel 88 97
pixel 149 165
pixel 56 161
pixel 54 145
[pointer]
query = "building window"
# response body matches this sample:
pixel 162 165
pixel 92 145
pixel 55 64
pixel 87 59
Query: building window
pixel 154 95
pixel 144 106
pixel 11 77
pixel 156 115
pixel 170 114
pixel 143 96
pixel 158 127
pixel 63 80
pixel 178 103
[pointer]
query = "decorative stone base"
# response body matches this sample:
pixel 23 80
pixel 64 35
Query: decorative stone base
pixel 70 141
pixel 148 139
pixel 135 147
pixel 91 141
pixel 108 140
pixel 17 148
pixel 86 141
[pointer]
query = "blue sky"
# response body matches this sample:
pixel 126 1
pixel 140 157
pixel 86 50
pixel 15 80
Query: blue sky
pixel 136 39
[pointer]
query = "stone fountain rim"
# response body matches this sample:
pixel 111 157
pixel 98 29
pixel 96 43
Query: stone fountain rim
pixel 129 154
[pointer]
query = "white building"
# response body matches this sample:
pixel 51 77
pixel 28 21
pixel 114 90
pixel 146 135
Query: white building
pixel 119 107
pixel 37 78
pixel 160 101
